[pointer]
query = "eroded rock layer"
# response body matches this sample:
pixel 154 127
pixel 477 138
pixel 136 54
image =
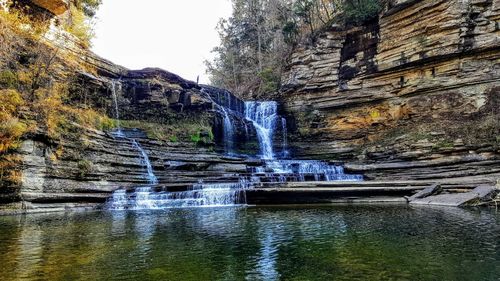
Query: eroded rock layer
pixel 414 93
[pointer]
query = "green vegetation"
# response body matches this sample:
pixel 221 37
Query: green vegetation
pixel 203 137
pixel 84 168
pixel 8 79
pixel 260 35
pixel 180 129
pixel 36 82
pixel 11 128
pixel 80 26
pixel 359 11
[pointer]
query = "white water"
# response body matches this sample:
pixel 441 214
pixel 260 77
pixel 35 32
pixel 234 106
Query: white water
pixel 302 170
pixel 150 176
pixel 114 85
pixel 263 116
pixel 199 195
pixel 228 132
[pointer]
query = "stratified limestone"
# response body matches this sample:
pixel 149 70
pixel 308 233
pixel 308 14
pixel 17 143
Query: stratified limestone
pixel 481 194
pixel 113 163
pixel 431 190
pixel 409 95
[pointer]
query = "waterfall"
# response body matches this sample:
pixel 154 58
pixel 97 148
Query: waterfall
pixel 119 200
pixel 228 132
pixel 230 191
pixel 114 84
pixel 143 197
pixel 302 170
pixel 199 195
pixel 223 106
pixel 115 99
pixel 263 116
pixel 146 163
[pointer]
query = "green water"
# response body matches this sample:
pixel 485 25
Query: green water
pixel 235 243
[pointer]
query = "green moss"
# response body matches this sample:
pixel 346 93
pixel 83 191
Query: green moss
pixel 84 167
pixel 443 144
pixel 8 79
pixel 184 130
pixel 196 137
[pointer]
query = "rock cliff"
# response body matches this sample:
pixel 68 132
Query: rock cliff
pixel 411 95
pixel 414 93
pixel 171 118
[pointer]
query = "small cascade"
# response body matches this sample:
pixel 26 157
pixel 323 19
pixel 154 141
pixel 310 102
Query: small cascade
pixel 263 116
pixel 224 106
pixel 210 195
pixel 115 87
pixel 146 163
pixel 304 170
pixel 228 132
pixel 119 200
pixel 199 195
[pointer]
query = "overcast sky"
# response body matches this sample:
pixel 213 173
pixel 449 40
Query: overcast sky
pixel 176 35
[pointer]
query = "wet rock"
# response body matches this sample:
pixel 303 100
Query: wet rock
pixel 431 190
pixel 481 194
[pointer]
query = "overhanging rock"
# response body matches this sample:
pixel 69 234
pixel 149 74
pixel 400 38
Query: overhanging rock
pixel 57 7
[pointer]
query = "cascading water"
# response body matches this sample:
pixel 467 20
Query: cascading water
pixel 228 132
pixel 304 170
pixel 224 106
pixel 146 163
pixel 263 116
pixel 114 85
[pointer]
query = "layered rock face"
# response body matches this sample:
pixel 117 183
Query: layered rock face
pixel 415 93
pixel 83 171
pixel 85 167
pixel 88 173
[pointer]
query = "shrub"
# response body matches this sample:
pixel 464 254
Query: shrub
pixel 359 11
pixel 85 167
pixel 196 137
pixel 8 79
pixel 9 171
pixel 270 80
pixel 80 27
pixel 11 128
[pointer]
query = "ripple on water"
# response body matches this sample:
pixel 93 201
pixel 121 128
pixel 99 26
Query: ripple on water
pixel 289 243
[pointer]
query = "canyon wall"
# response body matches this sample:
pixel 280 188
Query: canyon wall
pixel 412 94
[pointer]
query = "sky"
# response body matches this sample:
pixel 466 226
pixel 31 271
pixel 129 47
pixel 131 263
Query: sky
pixel 176 35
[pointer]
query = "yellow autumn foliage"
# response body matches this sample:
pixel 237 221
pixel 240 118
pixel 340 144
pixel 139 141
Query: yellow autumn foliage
pixel 11 128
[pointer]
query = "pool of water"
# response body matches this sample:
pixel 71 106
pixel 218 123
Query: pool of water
pixel 254 243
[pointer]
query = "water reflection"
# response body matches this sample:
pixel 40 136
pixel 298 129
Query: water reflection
pixel 30 252
pixel 368 243
pixel 265 268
